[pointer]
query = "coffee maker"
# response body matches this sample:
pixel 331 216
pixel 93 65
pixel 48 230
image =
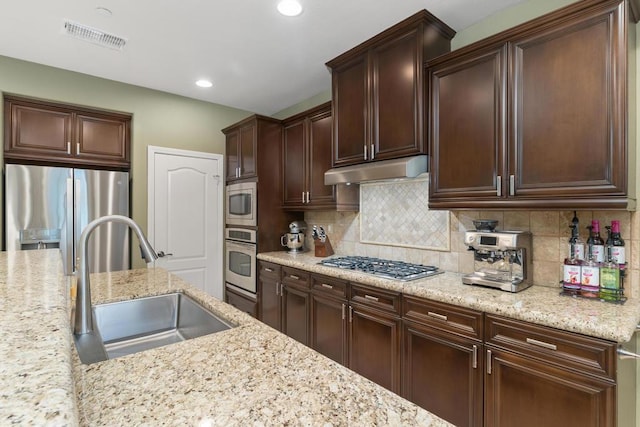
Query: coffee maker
pixel 294 240
pixel 502 259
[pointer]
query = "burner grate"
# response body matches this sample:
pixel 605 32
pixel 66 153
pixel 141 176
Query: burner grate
pixel 396 270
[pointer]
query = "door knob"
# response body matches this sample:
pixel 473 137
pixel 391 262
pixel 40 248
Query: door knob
pixel 162 254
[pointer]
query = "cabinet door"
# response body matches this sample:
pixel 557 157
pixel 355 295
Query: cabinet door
pixel 294 164
pixel 320 159
pixel 467 127
pixel 569 113
pixel 329 327
pixel 37 132
pixel 369 330
pixel 295 313
pixel 270 301
pixel 231 151
pixel 443 374
pixel 248 150
pixel 525 392
pixel 397 90
pixel 102 139
pixel 350 107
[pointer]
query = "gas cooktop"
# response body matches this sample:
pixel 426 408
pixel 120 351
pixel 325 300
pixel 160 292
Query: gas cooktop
pixel 396 270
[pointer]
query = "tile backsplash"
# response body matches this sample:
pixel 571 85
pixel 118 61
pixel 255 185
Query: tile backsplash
pixel 374 231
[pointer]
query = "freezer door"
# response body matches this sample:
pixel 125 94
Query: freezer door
pixel 99 193
pixel 34 206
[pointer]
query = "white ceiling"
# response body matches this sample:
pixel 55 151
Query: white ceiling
pixel 258 60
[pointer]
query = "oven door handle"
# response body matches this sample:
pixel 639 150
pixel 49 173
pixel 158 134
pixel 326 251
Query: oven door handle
pixel 250 246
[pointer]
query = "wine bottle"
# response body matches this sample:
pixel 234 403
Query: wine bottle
pixel 576 245
pixel 595 242
pixel 617 245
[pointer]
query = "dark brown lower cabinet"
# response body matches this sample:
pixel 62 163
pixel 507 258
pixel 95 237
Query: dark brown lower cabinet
pixel 443 373
pixel 295 313
pixel 269 294
pixel 329 327
pixel 530 393
pixel 374 346
pixel 241 302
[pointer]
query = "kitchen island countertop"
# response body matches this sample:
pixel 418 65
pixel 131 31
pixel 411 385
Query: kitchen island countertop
pixel 538 304
pixel 248 375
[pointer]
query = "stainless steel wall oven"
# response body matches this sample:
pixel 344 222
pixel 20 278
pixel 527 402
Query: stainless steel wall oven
pixel 240 256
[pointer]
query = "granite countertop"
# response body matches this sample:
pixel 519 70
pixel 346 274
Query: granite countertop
pixel 537 304
pixel 248 375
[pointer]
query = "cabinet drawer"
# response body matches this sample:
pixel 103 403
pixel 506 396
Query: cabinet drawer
pixel 377 298
pixel 241 302
pixel 295 277
pixel 269 269
pixel 564 349
pixel 458 320
pixel 329 286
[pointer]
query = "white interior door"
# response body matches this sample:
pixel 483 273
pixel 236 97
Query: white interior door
pixel 185 216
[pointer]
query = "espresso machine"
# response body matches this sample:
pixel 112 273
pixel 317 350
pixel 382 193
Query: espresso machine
pixel 294 240
pixel 502 259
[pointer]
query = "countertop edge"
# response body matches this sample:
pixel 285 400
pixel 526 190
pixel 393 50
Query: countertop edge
pixel 538 304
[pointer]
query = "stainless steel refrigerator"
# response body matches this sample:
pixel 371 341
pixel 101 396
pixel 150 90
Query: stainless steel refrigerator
pixel 48 207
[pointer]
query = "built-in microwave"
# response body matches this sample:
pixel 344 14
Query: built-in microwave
pixel 242 201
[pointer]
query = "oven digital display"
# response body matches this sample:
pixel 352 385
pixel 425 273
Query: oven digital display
pixel 488 240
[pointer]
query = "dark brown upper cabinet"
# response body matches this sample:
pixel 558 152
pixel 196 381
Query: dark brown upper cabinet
pixel 536 116
pixel 241 148
pixel 377 91
pixel 307 156
pixel 60 134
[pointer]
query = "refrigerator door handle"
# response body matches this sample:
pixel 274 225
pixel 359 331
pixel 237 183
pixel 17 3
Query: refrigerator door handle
pixel 70 257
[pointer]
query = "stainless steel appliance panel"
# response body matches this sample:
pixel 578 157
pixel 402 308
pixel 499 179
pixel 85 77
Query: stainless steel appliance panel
pixel 34 206
pixel 99 193
pixel 47 207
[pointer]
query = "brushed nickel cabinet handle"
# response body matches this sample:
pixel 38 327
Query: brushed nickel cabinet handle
pixel 474 364
pixel 308 198
pixel 365 151
pixel 325 285
pixel 69 148
pixel 277 286
pixel 77 148
pixel 489 362
pixel 499 186
pixel 372 298
pixel 343 311
pixel 373 154
pixel 268 270
pixel 512 185
pixel 437 316
pixel 294 277
pixel 350 314
pixel 542 344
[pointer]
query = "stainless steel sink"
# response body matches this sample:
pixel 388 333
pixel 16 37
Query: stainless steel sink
pixel 140 324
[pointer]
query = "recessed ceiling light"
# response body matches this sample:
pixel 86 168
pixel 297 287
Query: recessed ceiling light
pixel 290 8
pixel 204 83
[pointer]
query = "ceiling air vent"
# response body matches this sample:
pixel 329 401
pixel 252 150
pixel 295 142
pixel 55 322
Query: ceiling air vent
pixel 93 35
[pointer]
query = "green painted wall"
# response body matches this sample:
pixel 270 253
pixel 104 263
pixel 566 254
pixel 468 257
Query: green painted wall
pixel 159 118
pixel 304 105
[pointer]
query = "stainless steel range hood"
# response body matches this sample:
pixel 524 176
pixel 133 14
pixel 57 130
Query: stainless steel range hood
pixel 407 167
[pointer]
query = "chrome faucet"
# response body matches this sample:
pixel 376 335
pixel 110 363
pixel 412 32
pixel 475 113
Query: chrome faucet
pixel 83 317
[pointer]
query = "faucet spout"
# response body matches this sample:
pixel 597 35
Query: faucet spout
pixel 83 323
